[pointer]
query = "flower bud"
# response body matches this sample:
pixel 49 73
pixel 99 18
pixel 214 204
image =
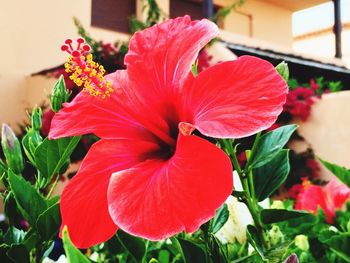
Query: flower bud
pixel 283 70
pixel 277 204
pixel 276 236
pixel 12 149
pixel 36 118
pixel 59 94
pixel 302 242
pixel 34 137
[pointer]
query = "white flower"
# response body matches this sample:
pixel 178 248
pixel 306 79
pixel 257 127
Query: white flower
pixel 239 218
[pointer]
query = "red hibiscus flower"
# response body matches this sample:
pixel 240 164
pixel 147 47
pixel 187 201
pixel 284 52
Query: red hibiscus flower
pixel 329 198
pixel 149 175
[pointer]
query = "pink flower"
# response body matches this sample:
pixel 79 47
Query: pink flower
pixel 329 198
pixel 299 102
pixel 149 175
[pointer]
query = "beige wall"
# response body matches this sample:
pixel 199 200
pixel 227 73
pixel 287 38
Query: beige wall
pixel 327 130
pixel 323 46
pixel 268 22
pixel 31 35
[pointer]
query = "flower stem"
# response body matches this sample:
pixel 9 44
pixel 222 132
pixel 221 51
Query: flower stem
pixel 53 186
pixel 247 181
pixel 252 152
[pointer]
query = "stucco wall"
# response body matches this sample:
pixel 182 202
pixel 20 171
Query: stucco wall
pixel 324 45
pixel 327 130
pixel 268 22
pixel 31 35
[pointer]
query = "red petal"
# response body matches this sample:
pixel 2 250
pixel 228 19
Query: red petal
pixel 120 116
pixel 160 198
pixel 314 197
pixel 235 99
pixel 338 192
pixel 84 207
pixel 163 55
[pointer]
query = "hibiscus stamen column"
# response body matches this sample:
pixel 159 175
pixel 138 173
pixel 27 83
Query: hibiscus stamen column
pixel 84 71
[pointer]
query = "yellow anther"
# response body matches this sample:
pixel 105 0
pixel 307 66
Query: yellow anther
pixel 88 74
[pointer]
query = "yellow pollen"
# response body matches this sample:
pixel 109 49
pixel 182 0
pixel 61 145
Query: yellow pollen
pixel 88 74
pixel 306 183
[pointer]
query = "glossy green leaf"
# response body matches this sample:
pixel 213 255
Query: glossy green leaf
pixel 270 176
pixel 277 253
pixel 255 241
pixel 270 144
pixel 134 245
pixel 3 256
pixel 10 207
pixel 53 200
pixel 269 216
pixel 51 155
pixel 30 240
pixel 18 253
pixel 341 172
pixel 13 236
pixel 164 256
pixel 219 219
pixel 30 202
pixel 3 168
pixel 49 222
pixel 73 254
pixel 190 252
pixel 219 252
pixel 30 142
pixel 339 243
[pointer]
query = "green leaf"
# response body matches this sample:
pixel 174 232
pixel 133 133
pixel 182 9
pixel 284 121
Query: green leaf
pixel 219 251
pixel 53 200
pixel 3 168
pixel 73 254
pixel 341 172
pixel 3 254
pixel 219 219
pixel 30 142
pixel 30 202
pixel 338 242
pixel 49 222
pixel 255 241
pixel 30 239
pixel 51 155
pixel 271 143
pixel 10 207
pixel 270 176
pixel 164 256
pixel 190 252
pixel 13 236
pixel 269 216
pixel 277 253
pixel 134 245
pixel 18 253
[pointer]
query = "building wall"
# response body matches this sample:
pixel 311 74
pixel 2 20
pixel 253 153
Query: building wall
pixel 261 20
pixel 323 45
pixel 31 35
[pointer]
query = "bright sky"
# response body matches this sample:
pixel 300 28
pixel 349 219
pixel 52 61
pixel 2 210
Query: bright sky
pixel 318 17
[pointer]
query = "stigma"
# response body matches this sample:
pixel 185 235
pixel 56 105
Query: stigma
pixel 84 72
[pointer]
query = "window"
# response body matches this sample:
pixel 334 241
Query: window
pixel 112 14
pixel 192 8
